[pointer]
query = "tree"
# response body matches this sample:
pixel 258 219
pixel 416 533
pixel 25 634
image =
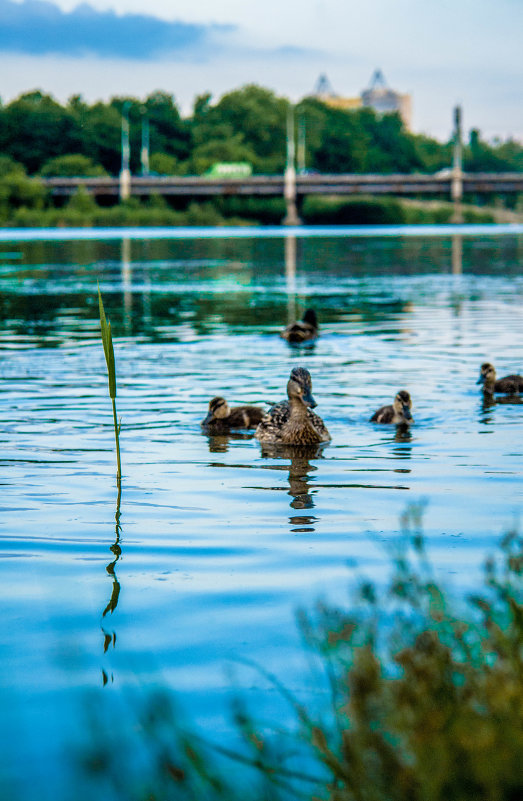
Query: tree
pixel 168 132
pixel 481 157
pixel 38 128
pixel 254 117
pixel 72 165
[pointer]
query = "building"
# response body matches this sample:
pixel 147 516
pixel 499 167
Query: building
pixel 385 100
pixel 377 96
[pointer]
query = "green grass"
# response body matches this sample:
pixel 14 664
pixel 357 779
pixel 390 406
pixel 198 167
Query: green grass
pixel 107 341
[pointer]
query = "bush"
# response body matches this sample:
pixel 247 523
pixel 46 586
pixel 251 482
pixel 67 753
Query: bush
pixel 360 211
pixel 72 166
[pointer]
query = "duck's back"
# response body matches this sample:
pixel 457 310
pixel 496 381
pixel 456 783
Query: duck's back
pixel 299 332
pixel 250 415
pixel 273 423
pixel 510 384
pixel 238 417
pixel 384 415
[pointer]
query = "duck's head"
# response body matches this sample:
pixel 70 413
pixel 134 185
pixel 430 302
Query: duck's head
pixel 310 318
pixel 403 404
pixel 487 374
pixel 299 386
pixel 218 409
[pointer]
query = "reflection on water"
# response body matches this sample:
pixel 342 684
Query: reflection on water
pixel 219 443
pixel 290 277
pixel 224 538
pixel 457 255
pixel 109 638
pixel 300 469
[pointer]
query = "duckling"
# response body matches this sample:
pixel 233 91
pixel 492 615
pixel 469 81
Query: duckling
pixel 290 422
pixel 302 330
pixel 510 385
pixel 221 418
pixel 398 413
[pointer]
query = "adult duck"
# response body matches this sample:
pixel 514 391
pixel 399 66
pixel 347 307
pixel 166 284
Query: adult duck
pixel 222 418
pixel 509 385
pixel 291 422
pixel 305 330
pixel 398 413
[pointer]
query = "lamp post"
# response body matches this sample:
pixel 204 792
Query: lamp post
pixel 301 145
pixel 144 153
pixel 456 188
pixel 289 178
pixel 125 172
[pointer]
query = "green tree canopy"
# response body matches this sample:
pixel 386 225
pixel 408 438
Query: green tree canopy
pixel 38 128
pixel 72 165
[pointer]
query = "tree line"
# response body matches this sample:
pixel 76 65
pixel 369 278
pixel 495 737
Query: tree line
pixel 40 136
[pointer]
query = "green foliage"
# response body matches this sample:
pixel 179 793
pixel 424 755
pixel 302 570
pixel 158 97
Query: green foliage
pixel 72 165
pixel 481 157
pixel 37 128
pixel 17 191
pixel 229 148
pixel 354 211
pixel 248 124
pixel 164 164
pixel 438 715
pixel 244 125
pixel 9 166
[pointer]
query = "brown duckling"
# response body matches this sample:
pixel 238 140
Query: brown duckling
pixel 290 422
pixel 222 418
pixel 510 385
pixel 398 413
pixel 304 330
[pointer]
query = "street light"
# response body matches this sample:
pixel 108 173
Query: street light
pixel 289 177
pixel 144 154
pixel 125 172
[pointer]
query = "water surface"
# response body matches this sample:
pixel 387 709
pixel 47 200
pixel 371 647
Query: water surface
pixel 220 543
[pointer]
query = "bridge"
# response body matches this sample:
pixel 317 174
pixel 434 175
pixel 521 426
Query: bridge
pixel 439 184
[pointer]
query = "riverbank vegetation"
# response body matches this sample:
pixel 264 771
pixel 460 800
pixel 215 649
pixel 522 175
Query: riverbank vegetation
pixel 417 698
pixel 40 137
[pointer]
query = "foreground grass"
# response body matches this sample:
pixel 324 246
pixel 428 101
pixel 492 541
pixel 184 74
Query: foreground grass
pixel 424 703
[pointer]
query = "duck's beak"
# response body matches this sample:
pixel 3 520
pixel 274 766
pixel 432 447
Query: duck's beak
pixel 406 412
pixel 481 379
pixel 308 399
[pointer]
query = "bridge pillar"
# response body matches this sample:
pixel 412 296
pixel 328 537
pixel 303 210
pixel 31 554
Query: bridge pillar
pixel 125 184
pixel 289 178
pixel 289 193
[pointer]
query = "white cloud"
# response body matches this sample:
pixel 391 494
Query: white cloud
pixel 442 52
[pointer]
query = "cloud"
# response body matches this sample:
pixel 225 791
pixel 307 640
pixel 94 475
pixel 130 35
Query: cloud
pixel 38 27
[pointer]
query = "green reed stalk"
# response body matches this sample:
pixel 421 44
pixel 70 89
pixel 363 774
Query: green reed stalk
pixel 107 341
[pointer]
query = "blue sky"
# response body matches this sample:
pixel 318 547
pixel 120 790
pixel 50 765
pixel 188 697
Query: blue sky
pixel 442 52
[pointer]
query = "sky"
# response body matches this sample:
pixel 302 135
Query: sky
pixel 442 52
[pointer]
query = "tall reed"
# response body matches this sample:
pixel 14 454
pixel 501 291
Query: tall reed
pixel 107 341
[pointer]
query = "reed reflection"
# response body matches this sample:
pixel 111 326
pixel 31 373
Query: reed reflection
pixel 109 638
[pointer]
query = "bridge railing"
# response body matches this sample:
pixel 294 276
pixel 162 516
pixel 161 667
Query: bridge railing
pixel 273 185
